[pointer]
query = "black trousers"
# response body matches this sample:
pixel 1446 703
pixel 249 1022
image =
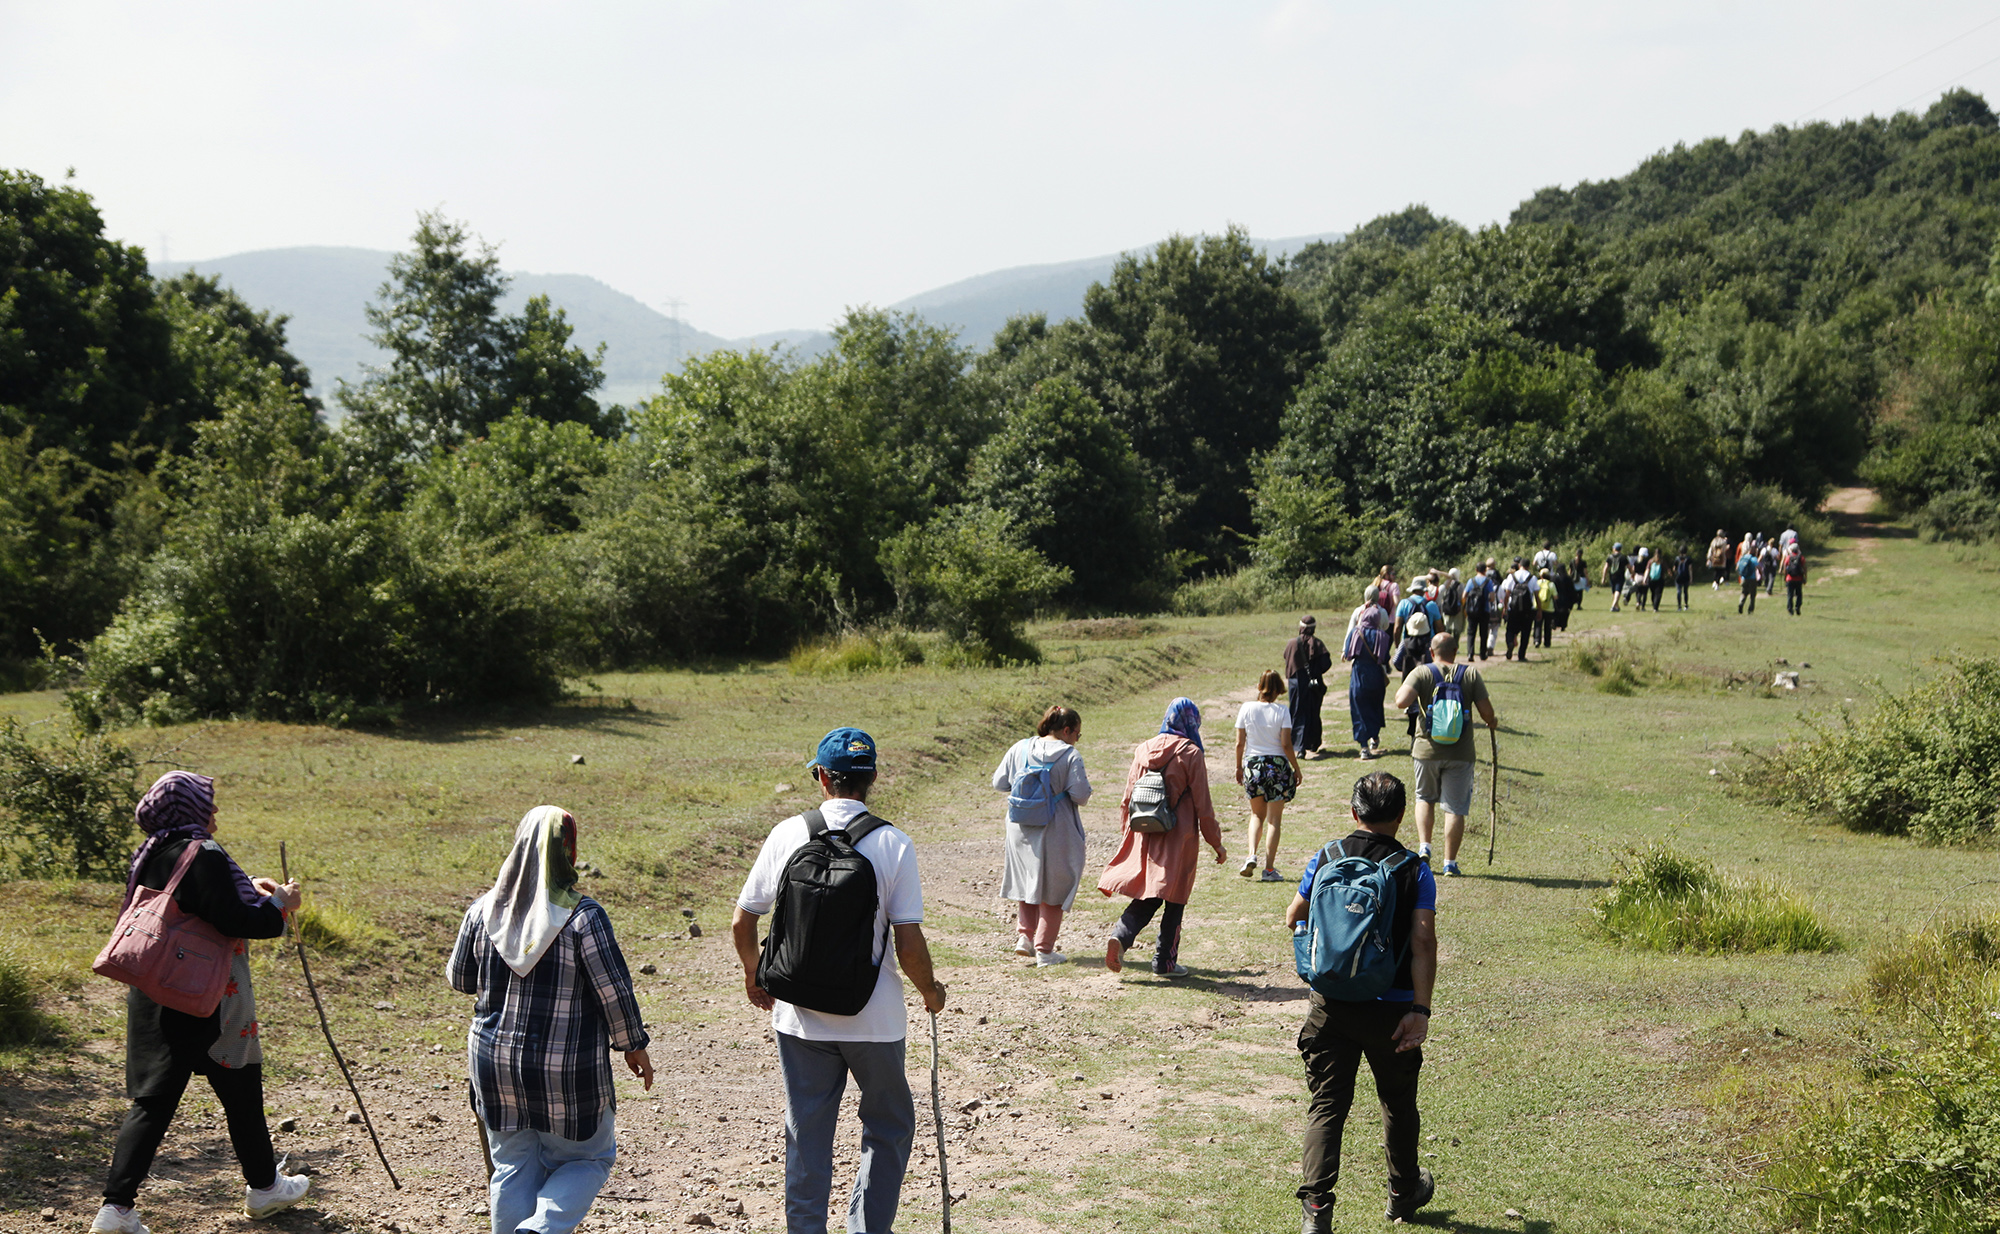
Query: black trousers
pixel 1795 597
pixel 241 1092
pixel 1306 693
pixel 1480 627
pixel 1518 630
pixel 1138 915
pixel 1680 596
pixel 1334 1040
pixel 1749 595
pixel 1545 624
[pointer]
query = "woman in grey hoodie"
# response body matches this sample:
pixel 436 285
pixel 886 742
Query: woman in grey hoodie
pixel 1045 783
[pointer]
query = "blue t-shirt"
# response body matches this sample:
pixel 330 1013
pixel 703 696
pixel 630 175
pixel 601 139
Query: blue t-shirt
pixel 1427 900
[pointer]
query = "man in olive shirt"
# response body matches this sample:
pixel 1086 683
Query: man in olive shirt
pixel 1444 771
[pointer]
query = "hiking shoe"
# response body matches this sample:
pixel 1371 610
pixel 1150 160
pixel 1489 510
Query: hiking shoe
pixel 1249 867
pixel 1023 945
pixel 110 1221
pixel 1047 959
pixel 1114 955
pixel 1451 869
pixel 285 1191
pixel 1423 852
pixel 1178 970
pixel 1318 1217
pixel 1401 1209
pixel 1271 876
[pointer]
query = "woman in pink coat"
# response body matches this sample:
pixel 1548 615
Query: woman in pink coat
pixel 1155 868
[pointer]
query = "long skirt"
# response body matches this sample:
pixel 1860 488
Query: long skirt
pixel 1365 683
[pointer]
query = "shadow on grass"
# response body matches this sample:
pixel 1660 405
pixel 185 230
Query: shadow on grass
pixel 1546 883
pixel 616 718
pixel 1445 1218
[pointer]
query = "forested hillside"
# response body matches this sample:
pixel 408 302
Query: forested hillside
pixel 1712 340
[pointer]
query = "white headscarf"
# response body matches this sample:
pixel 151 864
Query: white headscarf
pixel 536 892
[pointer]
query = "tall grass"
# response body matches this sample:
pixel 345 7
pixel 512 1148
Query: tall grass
pixel 336 928
pixel 21 1020
pixel 1666 901
pixel 1925 763
pixel 1912 1141
pixel 1618 665
pixel 857 651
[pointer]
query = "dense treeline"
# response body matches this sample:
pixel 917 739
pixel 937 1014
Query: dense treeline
pixel 1713 339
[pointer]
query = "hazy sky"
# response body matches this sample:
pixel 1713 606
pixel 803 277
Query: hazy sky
pixel 770 163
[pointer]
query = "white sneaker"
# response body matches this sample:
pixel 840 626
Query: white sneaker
pixel 110 1221
pixel 1045 959
pixel 288 1190
pixel 1249 867
pixel 1023 945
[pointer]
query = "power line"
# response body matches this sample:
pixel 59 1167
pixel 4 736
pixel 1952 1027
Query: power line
pixel 1954 81
pixel 1899 68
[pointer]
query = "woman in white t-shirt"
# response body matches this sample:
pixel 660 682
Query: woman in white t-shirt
pixel 1268 770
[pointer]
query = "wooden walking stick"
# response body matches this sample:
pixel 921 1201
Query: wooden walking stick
pixel 937 1120
pixel 1493 821
pixel 284 867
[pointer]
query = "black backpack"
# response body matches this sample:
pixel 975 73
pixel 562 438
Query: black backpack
pixel 1520 599
pixel 820 952
pixel 1450 599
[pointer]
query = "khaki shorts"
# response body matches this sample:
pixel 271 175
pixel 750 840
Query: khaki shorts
pixel 1446 782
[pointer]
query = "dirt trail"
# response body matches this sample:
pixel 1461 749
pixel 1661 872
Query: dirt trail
pixel 1850 508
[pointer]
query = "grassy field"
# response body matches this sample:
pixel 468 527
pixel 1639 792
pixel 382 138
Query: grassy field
pixel 1585 1087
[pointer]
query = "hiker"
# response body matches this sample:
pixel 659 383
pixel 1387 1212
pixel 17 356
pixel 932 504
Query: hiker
pixel 1306 662
pixel 1046 787
pixel 1414 647
pixel 1746 571
pixel 1156 868
pixel 1545 557
pixel 165 1048
pixel 1788 537
pixel 845 1015
pixel 1657 572
pixel 1565 595
pixel 1444 768
pixel 1517 602
pixel 1767 566
pixel 1268 769
pixel 1451 603
pixel 1579 576
pixel 1366 652
pixel 1545 608
pixel 1794 567
pixel 1388 1030
pixel 1418 601
pixel 1718 559
pixel 1479 611
pixel 1638 584
pixel 1385 583
pixel 555 998
pixel 1613 576
pixel 1683 579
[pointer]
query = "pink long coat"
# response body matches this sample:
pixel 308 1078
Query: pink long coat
pixel 1161 865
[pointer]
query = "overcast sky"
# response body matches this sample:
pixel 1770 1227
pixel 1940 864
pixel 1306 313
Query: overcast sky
pixel 770 163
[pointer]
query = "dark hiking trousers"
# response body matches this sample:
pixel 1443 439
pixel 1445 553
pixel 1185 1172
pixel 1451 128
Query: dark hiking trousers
pixel 1481 624
pixel 1306 694
pixel 241 1092
pixel 1138 915
pixel 1749 595
pixel 1519 629
pixel 1795 597
pixel 1334 1040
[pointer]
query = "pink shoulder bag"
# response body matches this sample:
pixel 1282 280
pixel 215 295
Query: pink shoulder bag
pixel 171 956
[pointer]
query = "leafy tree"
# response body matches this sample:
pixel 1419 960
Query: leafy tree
pixel 970 571
pixel 221 345
pixel 456 365
pixel 1338 279
pixel 522 479
pixel 66 806
pixel 1069 480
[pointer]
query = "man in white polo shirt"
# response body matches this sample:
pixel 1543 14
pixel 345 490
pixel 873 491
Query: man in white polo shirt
pixel 818 1050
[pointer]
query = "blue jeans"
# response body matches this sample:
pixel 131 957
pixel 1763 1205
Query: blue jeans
pixel 544 1183
pixel 815 1077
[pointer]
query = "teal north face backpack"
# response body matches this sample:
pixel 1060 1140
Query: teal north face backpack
pixel 1031 802
pixel 1345 948
pixel 1446 722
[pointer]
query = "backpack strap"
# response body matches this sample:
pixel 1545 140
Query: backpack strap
pixel 815 822
pixel 863 824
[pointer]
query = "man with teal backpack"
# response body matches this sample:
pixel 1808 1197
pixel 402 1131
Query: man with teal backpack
pixel 1365 936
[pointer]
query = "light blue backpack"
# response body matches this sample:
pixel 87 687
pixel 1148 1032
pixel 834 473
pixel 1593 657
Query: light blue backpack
pixel 1032 802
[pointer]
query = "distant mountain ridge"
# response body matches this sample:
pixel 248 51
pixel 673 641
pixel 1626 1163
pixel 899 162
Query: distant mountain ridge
pixel 324 290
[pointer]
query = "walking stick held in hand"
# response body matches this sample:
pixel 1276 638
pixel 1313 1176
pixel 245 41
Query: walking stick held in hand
pixel 1493 822
pixel 937 1120
pixel 284 868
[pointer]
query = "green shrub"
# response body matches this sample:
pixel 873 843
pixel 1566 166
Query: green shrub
pixel 1962 514
pixel 21 1021
pixel 969 571
pixel 1258 590
pixel 1925 763
pixel 1619 665
pixel 1910 1141
pixel 336 928
pixel 1666 901
pixel 858 651
pixel 67 806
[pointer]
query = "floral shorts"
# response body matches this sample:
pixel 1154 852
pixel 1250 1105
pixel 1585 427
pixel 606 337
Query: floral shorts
pixel 1269 776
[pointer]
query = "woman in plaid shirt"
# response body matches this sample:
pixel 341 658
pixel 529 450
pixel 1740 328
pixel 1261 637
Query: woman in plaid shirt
pixel 554 999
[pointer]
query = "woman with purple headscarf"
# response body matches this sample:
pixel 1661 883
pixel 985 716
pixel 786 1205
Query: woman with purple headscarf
pixel 1157 868
pixel 165 1048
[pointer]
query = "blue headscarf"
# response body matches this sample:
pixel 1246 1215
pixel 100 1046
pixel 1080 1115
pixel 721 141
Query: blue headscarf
pixel 1183 719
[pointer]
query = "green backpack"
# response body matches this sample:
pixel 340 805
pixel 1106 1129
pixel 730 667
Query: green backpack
pixel 1447 711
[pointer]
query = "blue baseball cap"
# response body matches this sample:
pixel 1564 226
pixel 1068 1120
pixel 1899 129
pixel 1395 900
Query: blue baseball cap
pixel 844 750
